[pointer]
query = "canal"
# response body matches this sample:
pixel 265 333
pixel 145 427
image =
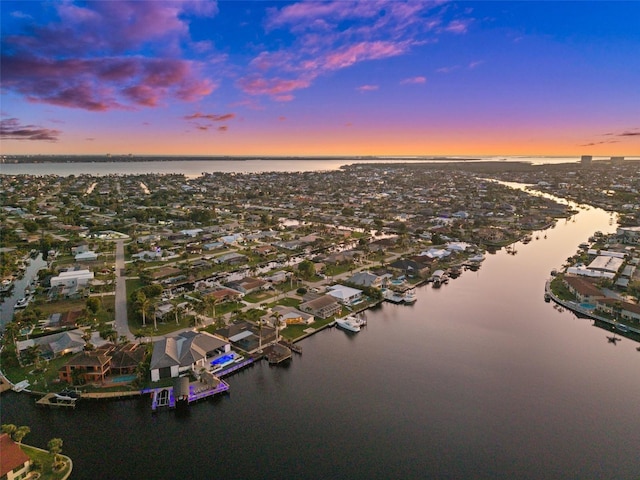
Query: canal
pixel 480 379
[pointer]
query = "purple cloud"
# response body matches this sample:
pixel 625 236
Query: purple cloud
pixel 90 58
pixel 413 81
pixel 330 36
pixel 367 88
pixel 210 116
pixel 11 129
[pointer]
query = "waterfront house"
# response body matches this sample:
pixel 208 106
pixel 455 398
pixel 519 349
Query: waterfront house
pixel 323 306
pixel 293 316
pixel 345 295
pixel 14 463
pixel 186 351
pixel 584 290
pixel 91 367
pixel 629 235
pixel 623 310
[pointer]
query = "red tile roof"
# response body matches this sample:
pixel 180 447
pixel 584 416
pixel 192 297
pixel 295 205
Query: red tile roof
pixel 11 455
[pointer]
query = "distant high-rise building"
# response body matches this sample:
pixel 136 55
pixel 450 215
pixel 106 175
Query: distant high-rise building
pixel 585 160
pixel 617 160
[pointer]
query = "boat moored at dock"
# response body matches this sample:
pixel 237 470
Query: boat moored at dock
pixel 349 323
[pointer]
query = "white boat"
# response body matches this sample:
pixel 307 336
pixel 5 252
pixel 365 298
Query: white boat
pixel 410 296
pixel 349 323
pixel 22 303
pixel 20 386
pixel 392 296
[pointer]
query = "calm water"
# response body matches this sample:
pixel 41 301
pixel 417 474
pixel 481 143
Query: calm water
pixel 480 379
pixel 195 168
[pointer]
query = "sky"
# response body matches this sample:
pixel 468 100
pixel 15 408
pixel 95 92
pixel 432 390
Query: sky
pixel 369 77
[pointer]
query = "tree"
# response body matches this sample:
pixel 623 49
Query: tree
pixel 307 269
pixel 142 306
pixel 20 433
pixel 94 304
pixel 9 429
pixel 55 447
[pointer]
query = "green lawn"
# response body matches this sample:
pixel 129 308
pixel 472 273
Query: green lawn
pixel 40 379
pixel 45 459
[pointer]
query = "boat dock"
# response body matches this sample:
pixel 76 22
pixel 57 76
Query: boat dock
pixel 165 397
pixel 51 400
pixel 277 353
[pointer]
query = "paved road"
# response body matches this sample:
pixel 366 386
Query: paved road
pixel 122 321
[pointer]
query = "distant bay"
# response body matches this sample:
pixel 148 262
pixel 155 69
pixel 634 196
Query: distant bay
pixel 195 168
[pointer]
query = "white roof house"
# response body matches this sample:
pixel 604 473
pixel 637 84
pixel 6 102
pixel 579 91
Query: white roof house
pixel 72 278
pixel 345 295
pixel 86 256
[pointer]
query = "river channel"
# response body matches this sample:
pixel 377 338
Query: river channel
pixel 480 379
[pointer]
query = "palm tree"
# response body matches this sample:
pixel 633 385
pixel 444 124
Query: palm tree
pixel 142 304
pixel 55 447
pixel 9 429
pixel 276 323
pixel 177 310
pixel 211 302
pixel 20 433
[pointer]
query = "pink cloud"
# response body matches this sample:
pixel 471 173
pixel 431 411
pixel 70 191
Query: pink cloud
pixel 413 81
pixel 458 26
pixel 364 51
pixel 475 64
pixel 210 116
pixel 12 129
pixel 367 88
pixel 273 87
pixel 88 58
pixel 334 35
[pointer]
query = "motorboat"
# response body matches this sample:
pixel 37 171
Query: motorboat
pixel 22 303
pixel 349 323
pixel 410 296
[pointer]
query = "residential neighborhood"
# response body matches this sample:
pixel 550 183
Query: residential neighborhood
pixel 236 263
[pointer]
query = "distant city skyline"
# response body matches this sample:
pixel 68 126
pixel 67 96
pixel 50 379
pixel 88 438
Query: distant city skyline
pixel 320 78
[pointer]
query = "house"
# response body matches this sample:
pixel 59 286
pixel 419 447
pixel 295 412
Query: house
pixel 92 367
pixel 323 307
pixel 625 310
pixel 147 255
pixel 87 256
pixel 293 316
pixel 584 290
pixel 72 278
pixel 249 285
pixel 367 279
pixel 186 351
pixel 231 258
pixel 345 295
pixel 629 235
pixel 14 463
pixel 51 346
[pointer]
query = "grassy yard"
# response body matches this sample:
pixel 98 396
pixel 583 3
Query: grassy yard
pixel 45 459
pixel 293 332
pixel 560 289
pixel 42 379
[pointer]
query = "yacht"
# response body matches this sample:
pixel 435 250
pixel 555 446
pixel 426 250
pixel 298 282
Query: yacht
pixel 410 296
pixel 349 323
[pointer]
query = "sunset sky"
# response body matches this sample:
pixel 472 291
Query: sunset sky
pixel 320 78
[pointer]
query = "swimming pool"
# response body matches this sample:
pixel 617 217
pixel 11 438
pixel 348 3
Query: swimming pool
pixel 588 306
pixel 123 378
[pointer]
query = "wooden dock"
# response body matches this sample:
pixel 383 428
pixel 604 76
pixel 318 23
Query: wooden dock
pixel 50 400
pixel 277 353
